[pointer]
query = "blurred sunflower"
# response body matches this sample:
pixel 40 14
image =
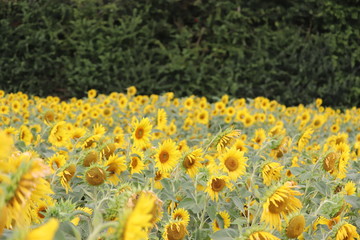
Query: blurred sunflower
pixel 215 185
pixel 181 214
pixel 142 133
pixel 192 162
pixel 222 221
pixel 234 163
pixel 175 230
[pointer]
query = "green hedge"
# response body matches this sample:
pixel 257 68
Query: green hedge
pixel 291 51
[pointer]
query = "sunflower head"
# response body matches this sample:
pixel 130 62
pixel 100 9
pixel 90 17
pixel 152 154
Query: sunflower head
pixel 90 158
pixel 180 214
pixel 295 226
pixel 175 231
pixel 95 175
pixel 221 221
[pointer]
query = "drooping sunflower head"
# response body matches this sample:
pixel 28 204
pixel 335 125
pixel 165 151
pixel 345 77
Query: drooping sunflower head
pixel 108 150
pixel 91 158
pixel 233 162
pixel 181 214
pixel 167 156
pixel 192 162
pixel 66 173
pixel 96 175
pixel 222 221
pixel 258 233
pixel 56 161
pixel 271 172
pixel 345 231
pixel 226 138
pixel 279 202
pixel 175 231
pixel 295 226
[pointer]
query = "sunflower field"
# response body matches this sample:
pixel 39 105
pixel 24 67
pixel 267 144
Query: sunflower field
pixel 129 166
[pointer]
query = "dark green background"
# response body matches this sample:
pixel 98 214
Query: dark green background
pixel 291 51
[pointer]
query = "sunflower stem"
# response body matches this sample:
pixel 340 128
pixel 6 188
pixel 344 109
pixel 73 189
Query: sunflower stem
pixel 98 229
pixel 203 213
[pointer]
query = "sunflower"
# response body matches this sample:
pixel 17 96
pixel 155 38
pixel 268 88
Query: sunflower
pixel 203 117
pixel 262 235
pixel 161 119
pixel 215 185
pixel 192 162
pixel 59 134
pixel 39 211
pixel 350 188
pixel 167 156
pixel 180 214
pixel 175 231
pixel 271 172
pixel 248 120
pixel 131 91
pixel 25 185
pixel 304 138
pixel 96 174
pixel 136 161
pixel 226 138
pixel 346 232
pixel 56 161
pixel 90 158
pixel 260 136
pixel 222 221
pixel 45 232
pixel 142 132
pixel 92 93
pixel 295 227
pixel 279 203
pixel 234 163
pixel 77 133
pixel 114 166
pixel 66 175
pixel 157 209
pixel 6 145
pixel 25 135
pixel 318 121
pixel 108 150
pixel 158 177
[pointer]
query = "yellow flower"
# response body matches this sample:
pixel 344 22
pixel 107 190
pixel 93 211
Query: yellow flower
pixel 114 166
pixel 234 163
pixel 280 203
pixel 271 172
pixel 161 119
pixel 224 223
pixel 350 188
pixel 180 214
pixel 131 91
pixel 260 136
pixel 142 133
pixel 259 235
pixel 25 184
pixel 192 162
pixel 226 138
pixel 175 231
pixel 167 156
pixel 26 135
pixel 136 161
pixel 216 185
pixel 92 93
pixel 346 232
pixel 304 138
pixel 44 232
pixel 203 117
pixel 56 161
pixel 66 175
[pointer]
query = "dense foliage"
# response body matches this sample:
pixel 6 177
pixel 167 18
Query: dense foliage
pixel 291 51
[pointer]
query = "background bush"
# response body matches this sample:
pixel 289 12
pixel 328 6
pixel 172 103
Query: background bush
pixel 291 51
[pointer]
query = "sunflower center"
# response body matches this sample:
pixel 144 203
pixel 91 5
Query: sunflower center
pixel 317 123
pixel 134 162
pixel 277 207
pixel 217 184
pixel 231 164
pixel 139 133
pixel 164 156
pixel 188 162
pixel 40 211
pixel 176 232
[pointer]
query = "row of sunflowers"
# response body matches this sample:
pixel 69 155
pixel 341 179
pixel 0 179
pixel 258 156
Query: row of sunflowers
pixel 129 166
